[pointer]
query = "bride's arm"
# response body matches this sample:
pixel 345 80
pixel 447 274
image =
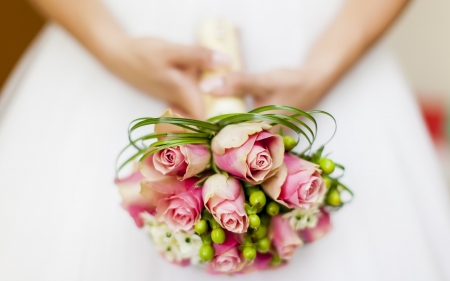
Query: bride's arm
pixel 88 21
pixel 356 27
pixel 162 69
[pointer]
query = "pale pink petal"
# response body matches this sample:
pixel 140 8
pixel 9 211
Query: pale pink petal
pixel 272 186
pixel 198 158
pixel 133 201
pixel 283 237
pixel 234 161
pixel 292 183
pixel 275 144
pixel 156 190
pixel 235 135
pixel 296 164
pixel 230 242
pixel 221 187
pixel 148 169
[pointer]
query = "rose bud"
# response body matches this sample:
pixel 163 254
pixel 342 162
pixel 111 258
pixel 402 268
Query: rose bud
pixel 181 211
pixel 132 200
pixel 224 199
pixel 248 151
pixel 283 237
pixel 297 184
pixel 183 161
pixel 227 258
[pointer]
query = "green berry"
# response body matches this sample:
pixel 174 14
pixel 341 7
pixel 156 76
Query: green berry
pixel 249 253
pixel 261 232
pixel 263 244
pixel 334 198
pixel 327 165
pixel 201 227
pixel 272 209
pixel 206 252
pixel 218 235
pixel 289 143
pixel 258 197
pixel 254 221
pixel 276 260
pixel 327 182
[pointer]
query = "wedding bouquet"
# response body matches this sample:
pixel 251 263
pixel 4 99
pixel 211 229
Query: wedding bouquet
pixel 228 193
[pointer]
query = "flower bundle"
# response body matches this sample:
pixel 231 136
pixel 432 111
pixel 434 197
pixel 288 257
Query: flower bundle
pixel 228 193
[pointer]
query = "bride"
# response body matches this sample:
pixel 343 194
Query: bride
pixel 66 107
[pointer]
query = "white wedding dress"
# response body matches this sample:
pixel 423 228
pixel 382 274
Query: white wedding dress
pixel 63 119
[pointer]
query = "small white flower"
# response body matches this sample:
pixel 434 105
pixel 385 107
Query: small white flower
pixel 175 246
pixel 301 219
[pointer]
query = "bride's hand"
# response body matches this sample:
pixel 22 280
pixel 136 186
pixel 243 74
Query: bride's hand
pixel 281 86
pixel 167 71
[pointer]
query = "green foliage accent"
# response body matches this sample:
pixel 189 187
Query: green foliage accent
pixel 202 132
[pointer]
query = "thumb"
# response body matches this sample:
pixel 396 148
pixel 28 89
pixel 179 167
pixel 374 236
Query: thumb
pixel 237 84
pixel 202 58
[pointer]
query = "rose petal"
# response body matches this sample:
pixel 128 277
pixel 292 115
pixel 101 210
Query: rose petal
pixel 283 237
pixel 132 200
pixel 198 158
pixel 235 135
pixel 156 190
pixel 234 160
pixel 272 186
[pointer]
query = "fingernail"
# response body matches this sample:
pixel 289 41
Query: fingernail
pixel 211 84
pixel 220 59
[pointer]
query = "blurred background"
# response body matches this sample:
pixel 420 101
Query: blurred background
pixel 420 40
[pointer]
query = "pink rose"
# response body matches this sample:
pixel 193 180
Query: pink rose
pixel 323 226
pixel 132 200
pixel 260 263
pixel 181 211
pixel 154 191
pixel 227 258
pixel 182 161
pixel 283 237
pixel 179 203
pixel 225 199
pixel 248 151
pixel 297 184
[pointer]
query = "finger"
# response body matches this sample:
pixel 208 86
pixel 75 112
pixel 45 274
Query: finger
pixel 238 84
pixel 190 99
pixel 202 58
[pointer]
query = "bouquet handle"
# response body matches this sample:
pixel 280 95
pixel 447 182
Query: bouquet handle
pixel 221 35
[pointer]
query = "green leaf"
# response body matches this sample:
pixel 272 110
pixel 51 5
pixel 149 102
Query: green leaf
pixel 181 122
pixel 179 141
pixel 297 112
pixel 329 115
pixel 129 160
pixel 346 188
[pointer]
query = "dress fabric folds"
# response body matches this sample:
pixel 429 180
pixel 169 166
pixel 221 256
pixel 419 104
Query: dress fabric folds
pixel 63 119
